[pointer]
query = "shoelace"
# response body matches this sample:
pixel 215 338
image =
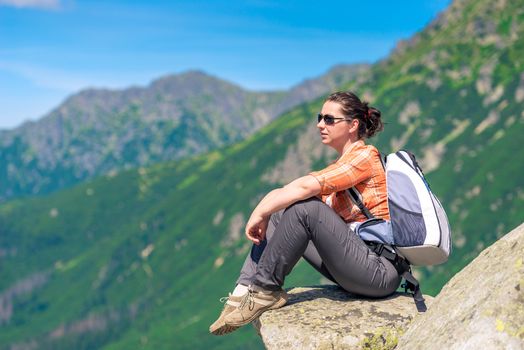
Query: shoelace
pixel 248 299
pixel 224 299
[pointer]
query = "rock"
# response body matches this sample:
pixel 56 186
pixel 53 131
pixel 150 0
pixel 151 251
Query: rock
pixel 481 307
pixel 327 317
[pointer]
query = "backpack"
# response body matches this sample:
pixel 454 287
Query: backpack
pixel 419 230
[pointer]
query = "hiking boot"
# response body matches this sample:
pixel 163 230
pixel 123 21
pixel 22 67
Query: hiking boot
pixel 253 304
pixel 219 327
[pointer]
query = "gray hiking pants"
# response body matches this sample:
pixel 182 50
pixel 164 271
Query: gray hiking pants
pixel 313 230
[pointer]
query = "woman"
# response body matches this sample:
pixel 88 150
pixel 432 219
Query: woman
pixel 322 231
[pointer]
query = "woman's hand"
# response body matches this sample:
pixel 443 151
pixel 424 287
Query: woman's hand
pixel 280 198
pixel 256 228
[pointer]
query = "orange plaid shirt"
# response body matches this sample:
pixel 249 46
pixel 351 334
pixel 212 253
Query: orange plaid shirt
pixel 359 166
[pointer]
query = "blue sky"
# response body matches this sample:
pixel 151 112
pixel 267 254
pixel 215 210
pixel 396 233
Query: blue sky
pixel 50 49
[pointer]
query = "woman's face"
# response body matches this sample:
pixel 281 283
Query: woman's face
pixel 337 134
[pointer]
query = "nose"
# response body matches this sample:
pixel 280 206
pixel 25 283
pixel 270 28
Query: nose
pixel 321 124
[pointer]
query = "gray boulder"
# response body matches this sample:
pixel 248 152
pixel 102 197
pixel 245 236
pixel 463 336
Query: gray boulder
pixel 481 307
pixel 327 317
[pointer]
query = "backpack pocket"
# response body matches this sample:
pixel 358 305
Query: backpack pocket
pixel 409 226
pixel 376 230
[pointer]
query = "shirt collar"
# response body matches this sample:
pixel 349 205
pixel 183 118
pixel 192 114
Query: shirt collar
pixel 353 145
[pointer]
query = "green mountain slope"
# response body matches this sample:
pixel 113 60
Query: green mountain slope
pixel 134 253
pixel 140 259
pixel 100 131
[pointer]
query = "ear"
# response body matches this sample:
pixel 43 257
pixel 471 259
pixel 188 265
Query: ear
pixel 354 124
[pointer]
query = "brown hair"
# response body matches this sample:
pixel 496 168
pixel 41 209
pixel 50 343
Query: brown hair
pixel 352 107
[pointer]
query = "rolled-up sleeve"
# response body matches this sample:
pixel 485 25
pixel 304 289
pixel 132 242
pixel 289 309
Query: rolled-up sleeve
pixel 344 173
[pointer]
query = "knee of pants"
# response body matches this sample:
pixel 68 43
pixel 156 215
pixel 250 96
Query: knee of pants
pixel 304 207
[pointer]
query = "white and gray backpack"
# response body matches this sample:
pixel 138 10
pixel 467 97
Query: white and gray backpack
pixel 419 223
pixel 419 230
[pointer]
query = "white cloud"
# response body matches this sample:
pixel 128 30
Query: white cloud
pixel 45 77
pixel 67 81
pixel 44 4
pixel 70 81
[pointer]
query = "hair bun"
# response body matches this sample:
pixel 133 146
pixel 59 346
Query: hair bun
pixel 374 123
pixel 353 107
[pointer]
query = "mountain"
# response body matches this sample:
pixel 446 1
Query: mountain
pixel 99 131
pixel 139 259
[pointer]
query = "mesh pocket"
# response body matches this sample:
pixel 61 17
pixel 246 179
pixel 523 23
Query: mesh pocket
pixel 408 227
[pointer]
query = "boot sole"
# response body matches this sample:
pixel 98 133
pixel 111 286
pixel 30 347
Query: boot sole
pixel 225 329
pixel 275 306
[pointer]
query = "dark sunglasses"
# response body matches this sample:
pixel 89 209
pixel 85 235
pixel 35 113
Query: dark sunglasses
pixel 329 119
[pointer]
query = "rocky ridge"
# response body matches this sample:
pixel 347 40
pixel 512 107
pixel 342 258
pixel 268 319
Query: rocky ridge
pixel 482 307
pixel 327 317
pixel 101 131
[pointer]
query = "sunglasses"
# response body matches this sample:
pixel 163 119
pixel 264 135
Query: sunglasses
pixel 329 119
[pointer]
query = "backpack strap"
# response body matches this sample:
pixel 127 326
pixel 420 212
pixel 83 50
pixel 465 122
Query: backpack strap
pixel 356 198
pixel 383 159
pixel 412 286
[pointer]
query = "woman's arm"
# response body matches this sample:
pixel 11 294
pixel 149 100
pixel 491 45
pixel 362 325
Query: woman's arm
pixel 301 188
